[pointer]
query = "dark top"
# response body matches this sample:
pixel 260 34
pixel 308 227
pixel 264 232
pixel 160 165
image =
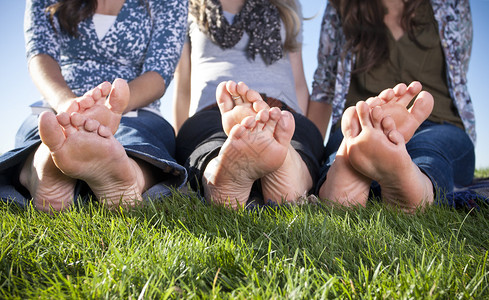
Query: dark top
pixel 408 62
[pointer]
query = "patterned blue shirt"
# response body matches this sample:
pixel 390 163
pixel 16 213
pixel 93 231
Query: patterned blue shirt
pixel 139 41
pixel 333 74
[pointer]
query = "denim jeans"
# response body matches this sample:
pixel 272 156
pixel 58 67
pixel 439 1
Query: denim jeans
pixel 443 152
pixel 147 137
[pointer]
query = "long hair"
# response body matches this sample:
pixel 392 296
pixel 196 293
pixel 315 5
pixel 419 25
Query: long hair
pixel 288 14
pixel 365 30
pixel 290 17
pixel 71 12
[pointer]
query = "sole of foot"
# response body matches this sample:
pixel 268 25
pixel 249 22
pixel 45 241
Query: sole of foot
pixel 379 153
pixel 84 149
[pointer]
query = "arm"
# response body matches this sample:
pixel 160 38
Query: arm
pixel 299 79
pixel 324 84
pixel 42 49
pixel 181 94
pixel 46 74
pixel 145 89
pixel 168 36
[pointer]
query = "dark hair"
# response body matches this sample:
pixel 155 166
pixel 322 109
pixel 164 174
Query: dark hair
pixel 71 12
pixel 365 30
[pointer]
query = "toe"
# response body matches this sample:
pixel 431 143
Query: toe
pixel 64 120
pixel 91 125
pixel 422 107
pixel 249 122
pixel 377 116
pixel 255 98
pixel 396 137
pixel 224 97
pixel 77 120
pixel 263 115
pixel 350 126
pixel 237 131
pixel 387 95
pixel 400 89
pixel 50 131
pixel 105 88
pixel 388 125
pixel 285 128
pixel 85 102
pixel 104 131
pixel 242 89
pixel 119 96
pixel 274 115
pixel 374 101
pixel 363 114
pixel 412 90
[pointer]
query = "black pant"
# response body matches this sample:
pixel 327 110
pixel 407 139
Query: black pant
pixel 201 137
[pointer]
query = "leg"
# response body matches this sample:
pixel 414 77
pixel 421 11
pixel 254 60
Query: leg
pixel 344 184
pixel 237 101
pixel 292 179
pixel 393 102
pixel 49 186
pixel 252 150
pixel 83 149
pixel 379 153
pixel 445 153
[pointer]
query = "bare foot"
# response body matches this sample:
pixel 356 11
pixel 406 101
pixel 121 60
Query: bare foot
pixel 82 148
pixel 379 153
pixel 292 179
pixel 394 103
pixel 236 102
pixel 106 103
pixel 344 184
pixel 252 150
pixel 48 186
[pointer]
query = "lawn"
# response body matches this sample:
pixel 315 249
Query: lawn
pixel 181 248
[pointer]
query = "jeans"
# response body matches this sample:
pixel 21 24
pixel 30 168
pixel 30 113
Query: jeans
pixel 443 152
pixel 147 137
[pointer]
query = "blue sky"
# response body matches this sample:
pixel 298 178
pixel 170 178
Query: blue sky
pixel 18 91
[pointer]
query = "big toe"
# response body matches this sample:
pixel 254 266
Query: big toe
pixel 350 125
pixel 422 107
pixel 50 131
pixel 119 96
pixel 285 128
pixel 223 96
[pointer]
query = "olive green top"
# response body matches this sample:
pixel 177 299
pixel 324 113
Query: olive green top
pixel 408 62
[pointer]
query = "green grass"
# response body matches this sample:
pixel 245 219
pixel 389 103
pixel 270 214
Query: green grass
pixel 183 248
pixel 482 172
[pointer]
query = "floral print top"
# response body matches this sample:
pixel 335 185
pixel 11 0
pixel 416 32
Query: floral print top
pixel 333 74
pixel 143 38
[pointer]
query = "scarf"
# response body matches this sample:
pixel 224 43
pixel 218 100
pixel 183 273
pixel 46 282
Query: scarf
pixel 258 18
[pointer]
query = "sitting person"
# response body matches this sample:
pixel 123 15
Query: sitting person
pixel 232 160
pixel 363 51
pixel 373 148
pixel 91 147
